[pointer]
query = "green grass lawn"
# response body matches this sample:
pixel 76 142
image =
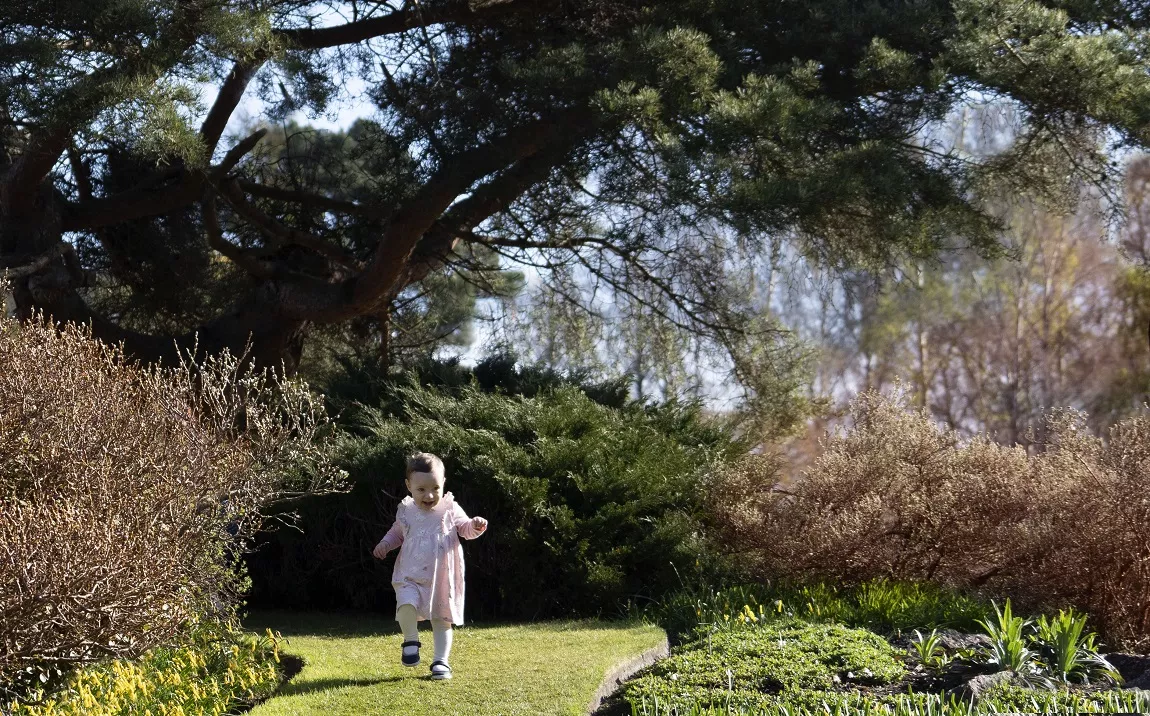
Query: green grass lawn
pixel 352 666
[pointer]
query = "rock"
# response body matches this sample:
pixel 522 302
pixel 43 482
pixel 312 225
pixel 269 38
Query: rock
pixel 951 639
pixel 973 690
pixel 1142 681
pixel 1133 667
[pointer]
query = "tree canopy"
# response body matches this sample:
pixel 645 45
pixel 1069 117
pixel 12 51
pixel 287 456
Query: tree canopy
pixel 638 142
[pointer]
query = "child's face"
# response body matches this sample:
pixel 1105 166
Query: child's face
pixel 426 489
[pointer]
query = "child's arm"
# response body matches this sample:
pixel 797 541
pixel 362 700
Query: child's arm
pixel 468 527
pixel 390 541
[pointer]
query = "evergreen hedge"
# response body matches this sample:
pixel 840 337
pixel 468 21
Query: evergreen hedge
pixel 593 503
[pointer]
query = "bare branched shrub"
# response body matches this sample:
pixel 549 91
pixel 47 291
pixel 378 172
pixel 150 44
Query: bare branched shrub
pixel 123 490
pixel 898 496
pixel 1095 535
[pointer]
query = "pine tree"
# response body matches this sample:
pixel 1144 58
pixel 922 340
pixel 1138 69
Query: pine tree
pixel 617 134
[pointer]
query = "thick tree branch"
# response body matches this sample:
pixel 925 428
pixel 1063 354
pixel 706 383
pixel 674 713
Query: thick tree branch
pixel 498 193
pixel 412 16
pixel 81 173
pixel 236 153
pixel 147 199
pixel 389 265
pixel 485 201
pixel 9 268
pixel 26 173
pixel 135 203
pixel 226 102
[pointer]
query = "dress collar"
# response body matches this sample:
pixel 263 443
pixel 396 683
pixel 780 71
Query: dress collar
pixel 445 503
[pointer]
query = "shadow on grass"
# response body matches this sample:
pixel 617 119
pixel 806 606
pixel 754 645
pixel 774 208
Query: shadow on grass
pixel 360 624
pixel 290 667
pixel 299 688
pixel 333 624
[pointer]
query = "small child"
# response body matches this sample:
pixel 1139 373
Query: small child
pixel 428 573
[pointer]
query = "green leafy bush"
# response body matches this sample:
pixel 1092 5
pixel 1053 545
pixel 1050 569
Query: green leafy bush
pixel 763 664
pixel 591 505
pixel 1067 652
pixel 1060 650
pixel 219 669
pixel 1008 642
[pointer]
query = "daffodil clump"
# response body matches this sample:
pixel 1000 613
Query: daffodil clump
pixel 217 671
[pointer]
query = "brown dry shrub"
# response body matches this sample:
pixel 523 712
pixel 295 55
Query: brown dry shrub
pixel 1095 534
pixel 122 490
pixel 898 496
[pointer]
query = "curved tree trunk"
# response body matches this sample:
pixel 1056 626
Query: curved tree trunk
pixel 267 323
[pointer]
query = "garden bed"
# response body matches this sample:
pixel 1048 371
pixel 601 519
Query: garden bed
pixel 818 650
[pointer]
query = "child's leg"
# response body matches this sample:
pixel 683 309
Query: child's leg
pixel 442 632
pixel 409 623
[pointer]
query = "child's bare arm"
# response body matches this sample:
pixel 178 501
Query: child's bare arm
pixel 392 540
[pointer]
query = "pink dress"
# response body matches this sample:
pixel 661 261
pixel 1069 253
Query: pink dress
pixel 428 571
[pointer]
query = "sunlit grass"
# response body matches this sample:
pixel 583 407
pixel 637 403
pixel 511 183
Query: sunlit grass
pixel 352 666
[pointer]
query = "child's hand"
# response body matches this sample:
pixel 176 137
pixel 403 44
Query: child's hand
pixel 380 551
pixel 479 524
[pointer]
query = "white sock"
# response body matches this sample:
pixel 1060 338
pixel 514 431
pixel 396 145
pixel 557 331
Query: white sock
pixel 442 632
pixel 409 623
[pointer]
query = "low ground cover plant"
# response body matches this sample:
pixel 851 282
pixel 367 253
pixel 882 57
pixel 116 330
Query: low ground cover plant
pixel 900 497
pixel 1005 700
pixel 766 663
pixel 217 670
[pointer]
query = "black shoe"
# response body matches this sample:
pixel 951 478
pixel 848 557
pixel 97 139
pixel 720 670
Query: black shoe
pixel 440 670
pixel 409 659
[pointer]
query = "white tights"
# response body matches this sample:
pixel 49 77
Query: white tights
pixel 440 630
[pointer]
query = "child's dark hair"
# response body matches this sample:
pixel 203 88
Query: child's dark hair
pixel 424 462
